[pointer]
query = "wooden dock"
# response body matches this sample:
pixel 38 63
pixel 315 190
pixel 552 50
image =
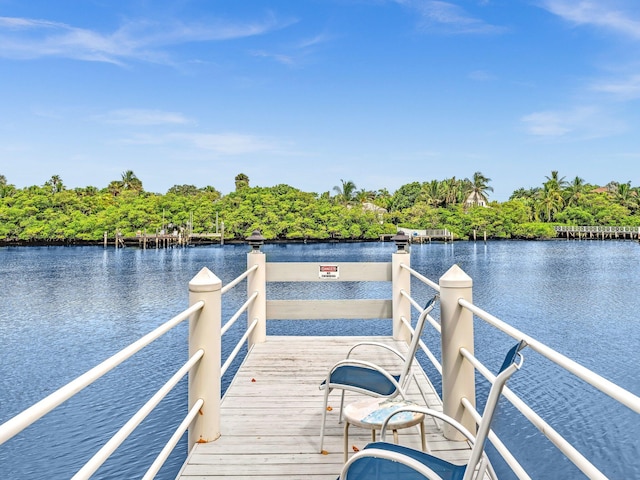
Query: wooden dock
pixel 164 240
pixel 598 232
pixel 271 414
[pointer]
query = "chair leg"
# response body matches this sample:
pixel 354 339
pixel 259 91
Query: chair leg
pixel 324 417
pixel 346 442
pixel 423 439
pixel 341 406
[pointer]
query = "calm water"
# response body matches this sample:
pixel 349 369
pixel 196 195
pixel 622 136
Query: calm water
pixel 64 310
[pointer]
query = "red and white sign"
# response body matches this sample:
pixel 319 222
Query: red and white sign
pixel 329 271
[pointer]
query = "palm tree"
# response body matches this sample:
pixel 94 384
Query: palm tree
pixel 382 198
pixel 574 192
pixel 115 188
pixel 55 182
pixel 452 191
pixel 478 190
pixel 5 188
pixel 363 195
pixel 624 195
pixel 242 181
pixel 345 191
pixel 86 191
pixel 550 200
pixel 432 193
pixel 130 181
pixel 555 182
pixel 528 198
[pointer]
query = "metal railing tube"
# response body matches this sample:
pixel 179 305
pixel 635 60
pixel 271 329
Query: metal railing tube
pixel 411 300
pixel 173 441
pixel 235 351
pixel 204 333
pixel 614 391
pixel 240 277
pixel 422 278
pixel 547 430
pixel 499 446
pixel 21 421
pixel 424 347
pixel 430 319
pixel 236 315
pixel 121 435
pixel 431 356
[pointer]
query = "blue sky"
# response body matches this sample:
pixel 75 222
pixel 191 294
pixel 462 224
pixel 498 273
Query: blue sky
pixel 308 92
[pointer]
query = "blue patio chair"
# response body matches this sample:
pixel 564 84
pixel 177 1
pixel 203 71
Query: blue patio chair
pixel 386 461
pixel 368 378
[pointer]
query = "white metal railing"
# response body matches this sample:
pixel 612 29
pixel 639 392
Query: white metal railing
pixel 173 441
pixel 614 391
pixel 238 313
pixel 421 277
pixel 21 421
pixel 241 277
pixel 121 435
pixel 238 347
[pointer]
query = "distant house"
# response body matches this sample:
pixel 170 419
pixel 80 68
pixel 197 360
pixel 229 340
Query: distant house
pixel 475 200
pixel 370 207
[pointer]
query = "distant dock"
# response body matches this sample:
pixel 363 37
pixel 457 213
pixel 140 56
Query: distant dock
pixel 598 232
pixel 421 236
pixel 163 240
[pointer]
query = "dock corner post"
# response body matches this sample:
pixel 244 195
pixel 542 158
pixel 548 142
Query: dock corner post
pixel 458 375
pixel 256 282
pixel 204 378
pixel 401 281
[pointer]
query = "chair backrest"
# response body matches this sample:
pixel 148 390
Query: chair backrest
pixel 511 364
pixel 415 340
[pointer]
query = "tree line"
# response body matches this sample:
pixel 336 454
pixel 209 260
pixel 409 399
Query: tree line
pixel 53 213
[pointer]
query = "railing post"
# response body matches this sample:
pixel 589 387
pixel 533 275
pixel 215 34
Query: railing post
pixel 204 378
pixel 256 282
pixel 458 376
pixel 401 280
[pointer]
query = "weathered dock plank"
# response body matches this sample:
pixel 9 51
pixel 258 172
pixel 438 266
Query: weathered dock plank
pixel 271 413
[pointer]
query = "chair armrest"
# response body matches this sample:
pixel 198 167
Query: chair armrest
pixel 361 363
pixel 376 344
pixel 391 456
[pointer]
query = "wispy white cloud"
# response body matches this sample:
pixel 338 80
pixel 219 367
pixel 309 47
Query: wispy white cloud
pixel 449 17
pixel 26 38
pixel 225 143
pixel 625 89
pixel 296 52
pixel 481 76
pixel 278 57
pixel 315 40
pixel 228 143
pixel 601 13
pixel 576 123
pixel 142 117
pixel 547 124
